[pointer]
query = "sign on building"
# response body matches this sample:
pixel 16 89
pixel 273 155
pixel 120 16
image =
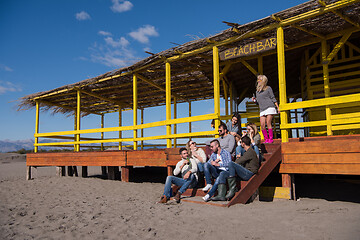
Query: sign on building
pixel 249 49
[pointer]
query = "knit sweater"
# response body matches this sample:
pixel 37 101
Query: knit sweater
pixel 266 99
pixel 183 170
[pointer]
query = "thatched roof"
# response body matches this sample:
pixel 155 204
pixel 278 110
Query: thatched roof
pixel 191 64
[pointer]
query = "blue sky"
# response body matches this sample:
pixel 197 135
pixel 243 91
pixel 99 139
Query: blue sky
pixel 46 44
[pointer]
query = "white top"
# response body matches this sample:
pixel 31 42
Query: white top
pixel 202 154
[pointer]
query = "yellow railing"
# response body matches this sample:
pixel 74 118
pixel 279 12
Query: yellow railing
pixel 342 121
pixel 129 128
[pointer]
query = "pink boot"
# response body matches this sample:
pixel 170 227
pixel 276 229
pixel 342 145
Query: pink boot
pixel 264 132
pixel 271 136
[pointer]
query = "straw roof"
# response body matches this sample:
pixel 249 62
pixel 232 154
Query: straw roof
pixel 191 64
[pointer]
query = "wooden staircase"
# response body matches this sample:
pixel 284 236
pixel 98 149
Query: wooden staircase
pixel 271 158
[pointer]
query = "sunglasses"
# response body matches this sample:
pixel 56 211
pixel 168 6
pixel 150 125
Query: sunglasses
pixel 192 143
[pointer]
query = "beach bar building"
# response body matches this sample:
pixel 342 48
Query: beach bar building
pixel 312 53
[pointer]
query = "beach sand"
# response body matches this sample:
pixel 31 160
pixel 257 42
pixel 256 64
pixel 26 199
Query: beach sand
pixel 50 207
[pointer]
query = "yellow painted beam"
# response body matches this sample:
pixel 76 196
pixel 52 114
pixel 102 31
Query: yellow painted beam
pixel 120 124
pixel 337 47
pixel 189 117
pixel 127 128
pixel 231 97
pixel 179 135
pixel 175 116
pixel 142 130
pixel 321 123
pixel 326 84
pixel 168 101
pixel 78 116
pixel 102 133
pixel 321 102
pixel 216 72
pixel 135 107
pixel 248 66
pixel 282 81
pixel 36 125
pixel 346 127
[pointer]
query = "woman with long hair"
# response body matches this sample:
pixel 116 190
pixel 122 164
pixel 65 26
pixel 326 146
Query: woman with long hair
pixel 196 153
pixel 268 106
pixel 253 134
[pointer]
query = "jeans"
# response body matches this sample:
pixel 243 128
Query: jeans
pixel 210 171
pixel 240 150
pixel 242 172
pixel 200 166
pixel 221 179
pixel 183 183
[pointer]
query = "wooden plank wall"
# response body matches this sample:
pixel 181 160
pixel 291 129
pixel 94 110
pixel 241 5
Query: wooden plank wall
pixel 326 155
pixel 105 158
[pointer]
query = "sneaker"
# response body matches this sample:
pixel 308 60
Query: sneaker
pixel 207 187
pixel 206 198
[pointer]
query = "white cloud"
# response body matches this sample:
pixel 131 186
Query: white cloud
pixel 122 42
pixel 5 68
pixel 121 6
pixel 113 53
pixel 103 33
pixel 81 16
pixel 8 87
pixel 142 34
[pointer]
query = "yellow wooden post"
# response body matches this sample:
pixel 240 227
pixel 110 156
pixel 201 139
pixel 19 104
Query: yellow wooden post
pixel 190 116
pixel 36 126
pixel 325 65
pixel 282 81
pixel 168 102
pixel 135 106
pixel 102 133
pixel 225 87
pixel 78 116
pixel 260 65
pixel 175 113
pixel 120 124
pixel 142 130
pixel 216 72
pixel 231 98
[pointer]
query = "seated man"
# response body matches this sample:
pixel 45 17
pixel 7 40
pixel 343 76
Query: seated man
pixel 216 167
pixel 226 140
pixel 245 166
pixel 188 169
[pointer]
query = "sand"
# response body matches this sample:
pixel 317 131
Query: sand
pixel 50 207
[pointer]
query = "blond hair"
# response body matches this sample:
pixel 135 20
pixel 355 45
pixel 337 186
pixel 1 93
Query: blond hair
pixel 254 127
pixel 263 84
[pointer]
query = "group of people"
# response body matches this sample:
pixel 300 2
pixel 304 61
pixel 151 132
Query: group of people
pixel 232 155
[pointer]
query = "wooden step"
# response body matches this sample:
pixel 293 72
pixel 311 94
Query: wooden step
pixel 248 188
pixel 199 200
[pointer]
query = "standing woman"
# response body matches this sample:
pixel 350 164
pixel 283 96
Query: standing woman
pixel 268 106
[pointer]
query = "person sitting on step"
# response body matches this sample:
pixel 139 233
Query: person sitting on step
pixel 197 153
pixel 245 167
pixel 226 140
pixel 217 167
pixel 188 168
pixel 253 134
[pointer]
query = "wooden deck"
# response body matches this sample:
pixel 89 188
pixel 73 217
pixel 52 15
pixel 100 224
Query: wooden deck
pixel 322 155
pixel 315 155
